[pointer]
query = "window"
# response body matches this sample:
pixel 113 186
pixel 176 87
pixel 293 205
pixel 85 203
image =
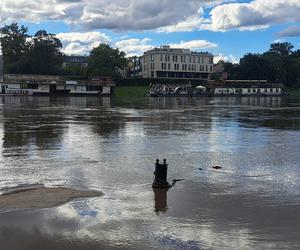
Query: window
pixel 181 58
pixel 211 68
pixel 182 66
pixel 265 90
pixel 152 58
pixel 277 90
pixel 152 73
pixel 161 57
pixel 169 66
pixel 249 90
pixel 271 90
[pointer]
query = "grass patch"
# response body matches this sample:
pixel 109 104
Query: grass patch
pixel 293 92
pixel 131 91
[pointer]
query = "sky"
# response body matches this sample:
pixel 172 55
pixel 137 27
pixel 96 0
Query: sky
pixel 227 28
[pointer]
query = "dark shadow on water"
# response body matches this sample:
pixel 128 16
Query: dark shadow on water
pixel 160 199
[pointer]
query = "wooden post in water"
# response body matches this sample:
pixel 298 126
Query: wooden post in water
pixel 161 174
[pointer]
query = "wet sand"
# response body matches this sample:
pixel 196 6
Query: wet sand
pixel 42 197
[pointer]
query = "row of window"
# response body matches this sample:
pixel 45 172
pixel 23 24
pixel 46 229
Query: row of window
pixel 183 59
pixel 184 67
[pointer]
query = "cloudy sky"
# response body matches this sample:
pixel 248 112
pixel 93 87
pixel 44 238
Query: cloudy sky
pixel 228 28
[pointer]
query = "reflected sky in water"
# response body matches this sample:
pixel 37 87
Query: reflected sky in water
pixel 111 145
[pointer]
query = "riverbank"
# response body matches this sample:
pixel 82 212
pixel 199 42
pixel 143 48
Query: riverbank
pixel 295 92
pixel 131 91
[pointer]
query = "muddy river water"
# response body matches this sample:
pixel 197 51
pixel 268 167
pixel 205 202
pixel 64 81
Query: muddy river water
pixel 109 145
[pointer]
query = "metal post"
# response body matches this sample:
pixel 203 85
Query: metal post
pixel 161 174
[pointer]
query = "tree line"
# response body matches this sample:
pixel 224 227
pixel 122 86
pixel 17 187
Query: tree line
pixel 280 64
pixel 42 54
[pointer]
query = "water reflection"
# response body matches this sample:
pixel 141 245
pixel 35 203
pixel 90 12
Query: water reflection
pixel 160 199
pixel 110 144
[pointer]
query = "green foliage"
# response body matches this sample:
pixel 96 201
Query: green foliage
pixel 131 91
pixel 24 54
pixel 279 64
pixel 45 54
pixel 15 47
pixel 106 61
pixel 282 49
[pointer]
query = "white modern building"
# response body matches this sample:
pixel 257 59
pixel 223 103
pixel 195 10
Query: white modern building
pixel 167 62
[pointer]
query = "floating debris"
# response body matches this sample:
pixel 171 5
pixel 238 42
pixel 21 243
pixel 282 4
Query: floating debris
pixel 217 167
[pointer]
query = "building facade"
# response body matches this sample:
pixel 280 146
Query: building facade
pixel 81 61
pixel 166 62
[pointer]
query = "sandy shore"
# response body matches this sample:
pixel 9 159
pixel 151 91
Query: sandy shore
pixel 42 197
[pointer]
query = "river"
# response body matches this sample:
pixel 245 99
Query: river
pixel 110 145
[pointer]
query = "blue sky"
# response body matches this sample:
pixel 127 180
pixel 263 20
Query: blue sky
pixel 228 29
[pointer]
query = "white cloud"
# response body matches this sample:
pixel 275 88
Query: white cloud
pixel 164 16
pixel 134 47
pixel 194 45
pixel 114 15
pixel 81 43
pixel 39 10
pixel 191 23
pixel 225 58
pixel 257 14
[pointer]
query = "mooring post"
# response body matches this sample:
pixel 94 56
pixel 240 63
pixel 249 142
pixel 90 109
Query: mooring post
pixel 161 175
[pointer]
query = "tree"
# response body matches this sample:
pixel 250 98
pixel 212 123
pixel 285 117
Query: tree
pixel 23 54
pixel 274 65
pixel 296 54
pixel 15 46
pixel 252 67
pixel 45 54
pixel 106 61
pixel 282 49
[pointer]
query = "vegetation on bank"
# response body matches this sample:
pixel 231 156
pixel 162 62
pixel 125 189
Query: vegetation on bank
pixel 131 91
pixel 280 64
pixel 42 54
pixel 295 92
